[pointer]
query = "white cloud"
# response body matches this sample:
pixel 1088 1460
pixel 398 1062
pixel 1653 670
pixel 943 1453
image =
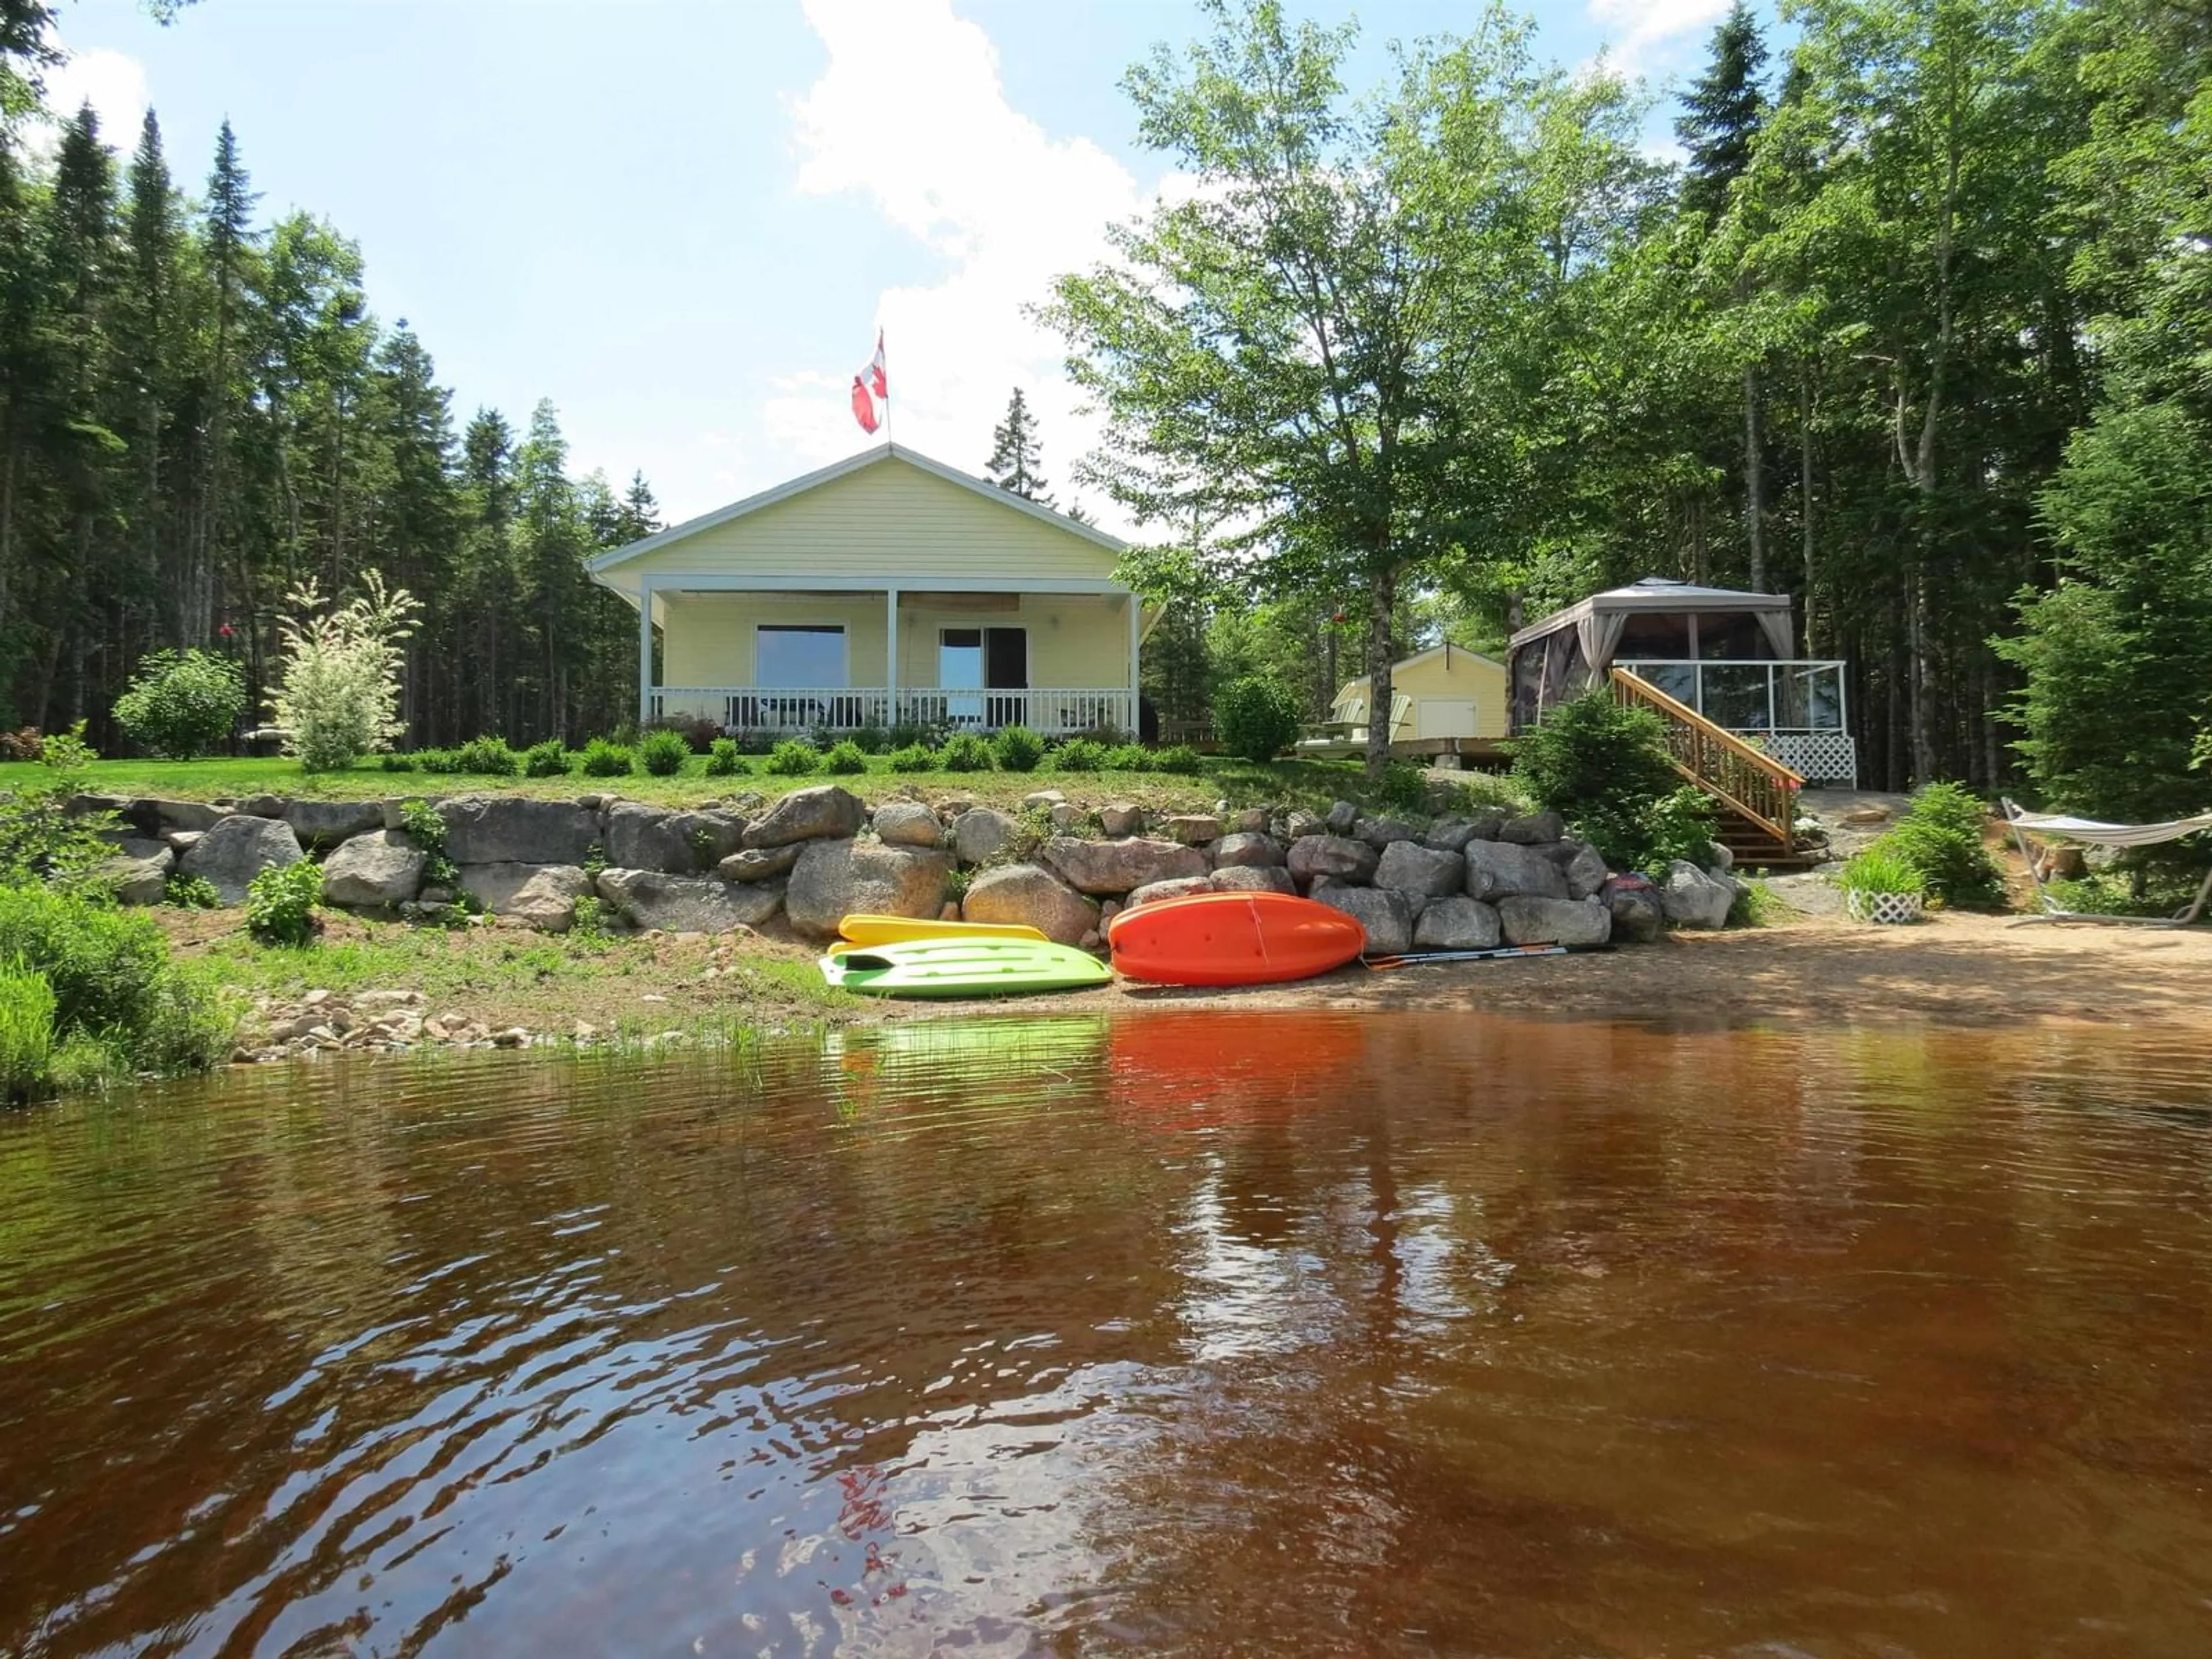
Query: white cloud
pixel 910 113
pixel 1647 35
pixel 113 83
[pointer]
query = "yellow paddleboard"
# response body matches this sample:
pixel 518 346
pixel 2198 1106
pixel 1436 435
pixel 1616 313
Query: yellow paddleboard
pixel 897 930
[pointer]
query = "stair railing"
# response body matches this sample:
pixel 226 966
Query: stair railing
pixel 1754 784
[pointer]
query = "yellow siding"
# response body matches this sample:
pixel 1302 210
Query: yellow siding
pixel 1466 676
pixel 890 520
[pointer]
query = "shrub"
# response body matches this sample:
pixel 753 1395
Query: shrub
pixel 964 752
pixel 1404 787
pixel 1601 765
pixel 337 686
pixel 488 757
pixel 1881 868
pixel 794 757
pixel 603 759
pixel 25 743
pixel 438 762
pixel 873 740
pixel 549 759
pixel 1679 826
pixel 190 892
pixel 914 757
pixel 426 829
pixel 697 731
pixel 40 839
pixel 26 1035
pixel 1941 836
pixel 182 703
pixel 910 735
pixel 281 901
pixel 723 760
pixel 846 759
pixel 1018 749
pixel 1081 754
pixel 663 753
pixel 393 760
pixel 1179 757
pixel 1257 718
pixel 1125 757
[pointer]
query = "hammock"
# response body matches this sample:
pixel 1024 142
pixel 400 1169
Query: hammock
pixel 2060 826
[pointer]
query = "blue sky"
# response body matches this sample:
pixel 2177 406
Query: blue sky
pixel 682 220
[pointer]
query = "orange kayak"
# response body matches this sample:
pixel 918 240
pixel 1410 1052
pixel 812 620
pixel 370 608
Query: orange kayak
pixel 1232 939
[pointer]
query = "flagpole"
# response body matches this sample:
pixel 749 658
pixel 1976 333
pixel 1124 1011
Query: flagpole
pixel 886 357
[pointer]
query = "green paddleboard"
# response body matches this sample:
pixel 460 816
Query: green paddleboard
pixel 964 968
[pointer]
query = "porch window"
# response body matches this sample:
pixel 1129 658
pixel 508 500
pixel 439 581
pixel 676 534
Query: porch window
pixel 798 655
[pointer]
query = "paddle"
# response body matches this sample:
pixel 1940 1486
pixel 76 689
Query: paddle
pixel 1422 958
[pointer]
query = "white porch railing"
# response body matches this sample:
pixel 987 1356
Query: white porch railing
pixel 1053 711
pixel 1797 711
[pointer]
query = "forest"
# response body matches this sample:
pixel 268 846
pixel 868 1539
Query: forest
pixel 1917 328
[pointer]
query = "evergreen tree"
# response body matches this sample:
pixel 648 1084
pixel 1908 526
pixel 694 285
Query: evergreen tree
pixel 1722 113
pixel 1016 453
pixel 150 338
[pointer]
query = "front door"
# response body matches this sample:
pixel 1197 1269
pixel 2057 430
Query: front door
pixel 1006 668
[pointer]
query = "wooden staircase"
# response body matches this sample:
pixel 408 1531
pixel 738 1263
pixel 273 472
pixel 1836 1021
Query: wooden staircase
pixel 1754 795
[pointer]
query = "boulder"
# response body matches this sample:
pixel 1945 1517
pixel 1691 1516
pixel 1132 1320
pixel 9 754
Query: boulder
pixel 383 867
pixel 1585 871
pixel 642 837
pixel 1193 829
pixel 260 806
pixel 1176 887
pixel 1121 867
pixel 1525 920
pixel 758 864
pixel 1633 903
pixel 907 824
pixel 1341 816
pixel 1121 819
pixel 510 829
pixel 1247 846
pixel 1254 879
pixel 1301 823
pixel 825 812
pixel 1339 857
pixel 1386 916
pixel 327 822
pixel 1496 869
pixel 1029 895
pixel 539 895
pixel 182 841
pixel 237 849
pixel 1066 816
pixel 185 814
pixel 1719 858
pixel 711 835
pixel 1379 833
pixel 1036 799
pixel 837 879
pixel 1457 922
pixel 1455 832
pixel 980 833
pixel 1690 898
pixel 1412 868
pixel 689 904
pixel 139 878
pixel 1537 829
pixel 1252 821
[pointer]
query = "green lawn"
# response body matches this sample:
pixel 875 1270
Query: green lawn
pixel 1311 783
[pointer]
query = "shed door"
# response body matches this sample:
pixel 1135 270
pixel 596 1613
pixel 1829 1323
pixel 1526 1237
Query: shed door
pixel 1443 717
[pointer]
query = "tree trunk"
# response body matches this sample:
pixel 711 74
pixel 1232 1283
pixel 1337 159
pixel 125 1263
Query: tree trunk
pixel 1805 499
pixel 1754 479
pixel 1382 601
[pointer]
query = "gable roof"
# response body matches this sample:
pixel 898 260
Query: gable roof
pixel 846 468
pixel 1423 656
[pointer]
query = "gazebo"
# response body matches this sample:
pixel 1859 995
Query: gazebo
pixel 1720 652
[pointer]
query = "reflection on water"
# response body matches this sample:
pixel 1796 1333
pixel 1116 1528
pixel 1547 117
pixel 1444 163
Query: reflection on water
pixel 1183 1332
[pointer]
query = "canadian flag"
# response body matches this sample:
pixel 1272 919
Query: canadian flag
pixel 870 388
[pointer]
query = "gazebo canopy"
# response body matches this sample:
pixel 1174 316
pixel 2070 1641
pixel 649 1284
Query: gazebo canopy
pixel 1572 649
pixel 1600 618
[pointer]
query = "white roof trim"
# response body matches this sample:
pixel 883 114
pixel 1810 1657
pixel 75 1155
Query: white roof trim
pixel 1423 656
pixel 830 474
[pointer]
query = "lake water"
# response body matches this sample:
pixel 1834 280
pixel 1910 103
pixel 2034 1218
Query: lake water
pixel 1196 1334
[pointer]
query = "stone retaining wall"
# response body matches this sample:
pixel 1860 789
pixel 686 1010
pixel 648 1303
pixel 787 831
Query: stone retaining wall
pixel 1465 881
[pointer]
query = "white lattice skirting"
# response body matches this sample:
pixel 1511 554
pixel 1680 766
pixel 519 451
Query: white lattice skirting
pixel 1891 908
pixel 1816 757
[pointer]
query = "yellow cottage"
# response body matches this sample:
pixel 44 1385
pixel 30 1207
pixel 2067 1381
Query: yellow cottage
pixel 1447 691
pixel 887 587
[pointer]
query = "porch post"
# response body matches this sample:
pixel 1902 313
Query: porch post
pixel 890 656
pixel 1133 629
pixel 644 649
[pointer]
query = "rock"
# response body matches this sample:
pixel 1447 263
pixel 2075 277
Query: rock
pixel 1585 871
pixel 1066 816
pixel 1042 798
pixel 1496 869
pixel 185 814
pixel 368 999
pixel 539 895
pixel 1692 898
pixel 1030 896
pixel 1412 868
pixel 1385 914
pixel 260 806
pixel 1525 920
pixel 1175 887
pixel 1380 833
pixel 758 864
pixel 980 833
pixel 1121 818
pixel 642 837
pixel 327 822
pixel 237 849
pixel 1299 824
pixel 1633 903
pixel 383 867
pixel 1119 866
pixel 1342 815
pixel 1535 830
pixel 1457 922
pixel 1719 858
pixel 907 824
pixel 1866 816
pixel 825 811
pixel 1252 821
pixel 181 841
pixel 1448 834
pixel 835 878
pixel 514 1036
pixel 689 904
pixel 510 829
pixel 1247 846
pixel 1315 858
pixel 143 879
pixel 1193 829
pixel 1254 879
pixel 711 835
